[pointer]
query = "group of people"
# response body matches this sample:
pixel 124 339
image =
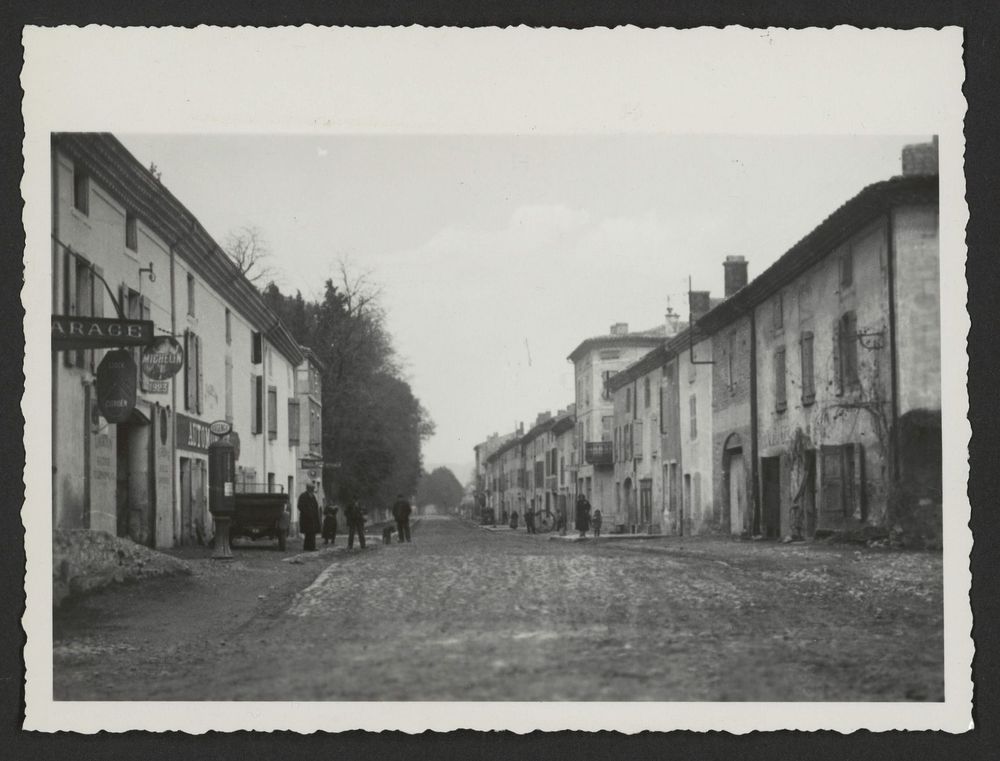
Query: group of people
pixel 585 520
pixel 354 515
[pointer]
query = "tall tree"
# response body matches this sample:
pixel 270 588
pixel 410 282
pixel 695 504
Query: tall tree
pixel 440 488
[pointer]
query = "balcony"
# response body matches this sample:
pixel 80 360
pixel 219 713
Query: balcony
pixel 598 453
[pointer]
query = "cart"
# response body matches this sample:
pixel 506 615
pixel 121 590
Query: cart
pixel 261 511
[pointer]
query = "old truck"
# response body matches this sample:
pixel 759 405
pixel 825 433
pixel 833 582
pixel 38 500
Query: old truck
pixel 261 511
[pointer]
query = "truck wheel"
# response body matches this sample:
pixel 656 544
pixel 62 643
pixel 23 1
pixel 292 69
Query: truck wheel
pixel 281 542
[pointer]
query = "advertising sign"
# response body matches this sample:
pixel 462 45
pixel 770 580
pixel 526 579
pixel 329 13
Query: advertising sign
pixel 192 434
pixel 98 332
pixel 116 386
pixel 220 427
pixel 162 359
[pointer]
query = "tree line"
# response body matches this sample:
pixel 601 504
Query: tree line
pixel 373 425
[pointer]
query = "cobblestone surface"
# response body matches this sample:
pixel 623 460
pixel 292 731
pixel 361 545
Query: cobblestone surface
pixel 467 614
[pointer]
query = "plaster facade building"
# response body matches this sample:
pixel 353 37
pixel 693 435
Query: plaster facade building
pixel 120 239
pixel 595 361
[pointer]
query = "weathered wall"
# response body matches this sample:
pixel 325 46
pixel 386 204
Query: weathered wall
pixel 695 382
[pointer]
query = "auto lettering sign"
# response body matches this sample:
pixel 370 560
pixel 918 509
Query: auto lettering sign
pixel 116 386
pixel 162 359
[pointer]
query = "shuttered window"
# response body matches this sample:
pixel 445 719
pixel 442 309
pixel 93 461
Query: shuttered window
pixel 272 412
pixel 808 377
pixel 693 403
pixel 256 404
pixel 293 422
pixel 780 389
pixel 192 372
pixel 256 348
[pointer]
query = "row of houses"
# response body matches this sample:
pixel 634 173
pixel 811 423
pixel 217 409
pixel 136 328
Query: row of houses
pixel 123 245
pixel 804 402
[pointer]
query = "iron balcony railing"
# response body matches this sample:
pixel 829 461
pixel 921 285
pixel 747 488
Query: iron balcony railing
pixel 598 453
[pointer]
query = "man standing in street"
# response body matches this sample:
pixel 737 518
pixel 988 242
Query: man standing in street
pixel 355 523
pixel 309 517
pixel 401 510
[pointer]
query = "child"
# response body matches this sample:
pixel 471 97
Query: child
pixel 595 523
pixel 329 525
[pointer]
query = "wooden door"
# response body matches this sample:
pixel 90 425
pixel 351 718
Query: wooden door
pixel 737 493
pixel 187 523
pixel 771 483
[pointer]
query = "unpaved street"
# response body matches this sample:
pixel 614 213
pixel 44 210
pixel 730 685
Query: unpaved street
pixel 465 613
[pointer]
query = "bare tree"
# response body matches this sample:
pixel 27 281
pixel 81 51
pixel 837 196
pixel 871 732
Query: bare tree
pixel 249 250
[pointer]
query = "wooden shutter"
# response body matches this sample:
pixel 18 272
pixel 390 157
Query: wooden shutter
pixel 96 305
pixel 144 314
pixel 806 359
pixel 188 362
pixel 293 422
pixel 838 374
pixel 780 388
pixel 198 376
pixel 831 487
pixel 849 351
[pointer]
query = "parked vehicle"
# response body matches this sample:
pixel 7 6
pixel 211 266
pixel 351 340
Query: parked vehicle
pixel 262 511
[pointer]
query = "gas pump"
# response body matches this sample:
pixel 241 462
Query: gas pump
pixel 221 488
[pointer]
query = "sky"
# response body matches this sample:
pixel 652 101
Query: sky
pixel 497 255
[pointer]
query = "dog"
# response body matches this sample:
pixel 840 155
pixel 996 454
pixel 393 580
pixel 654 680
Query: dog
pixel 387 535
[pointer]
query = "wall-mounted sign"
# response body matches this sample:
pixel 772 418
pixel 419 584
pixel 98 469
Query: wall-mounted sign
pixel 156 386
pixel 220 427
pixel 162 359
pixel 192 434
pixel 116 382
pixel 98 332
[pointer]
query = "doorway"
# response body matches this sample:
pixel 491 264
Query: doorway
pixel 737 486
pixel 630 515
pixel 771 485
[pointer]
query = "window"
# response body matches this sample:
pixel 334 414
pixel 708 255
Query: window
pixel 847 270
pixel 605 381
pixel 131 235
pixel 646 392
pixel 693 403
pixel 606 422
pixel 808 379
pixel 229 389
pixel 190 295
pixel 628 400
pixel 780 391
pixel 778 312
pixel 256 348
pixel 272 412
pixel 846 356
pixel 730 348
pixel 256 404
pixel 229 327
pixel 83 295
pixel 315 427
pixel 293 422
pixel 81 191
pixel 192 372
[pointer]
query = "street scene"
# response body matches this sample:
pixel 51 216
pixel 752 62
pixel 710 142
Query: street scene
pixel 468 613
pixel 576 425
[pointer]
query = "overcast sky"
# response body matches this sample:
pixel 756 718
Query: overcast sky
pixel 498 255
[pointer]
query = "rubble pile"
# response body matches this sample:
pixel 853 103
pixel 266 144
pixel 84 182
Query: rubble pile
pixel 83 561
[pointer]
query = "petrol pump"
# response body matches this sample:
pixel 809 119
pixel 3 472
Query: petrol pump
pixel 221 489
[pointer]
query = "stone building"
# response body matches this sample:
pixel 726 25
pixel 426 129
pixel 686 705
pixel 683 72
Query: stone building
pixel 123 246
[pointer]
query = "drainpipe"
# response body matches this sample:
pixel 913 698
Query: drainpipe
pixel 754 464
pixel 893 360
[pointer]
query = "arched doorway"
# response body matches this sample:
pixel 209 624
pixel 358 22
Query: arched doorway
pixel 735 515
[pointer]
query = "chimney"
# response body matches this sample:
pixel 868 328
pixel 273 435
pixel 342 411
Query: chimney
pixel 921 158
pixel 736 274
pixel 700 302
pixel 673 322
pixel 619 329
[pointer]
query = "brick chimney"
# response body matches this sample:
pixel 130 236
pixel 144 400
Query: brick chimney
pixel 921 158
pixel 736 274
pixel 619 329
pixel 700 302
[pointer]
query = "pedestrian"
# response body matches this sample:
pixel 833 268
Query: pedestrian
pixel 505 518
pixel 582 515
pixel 401 510
pixel 595 523
pixel 529 521
pixel 513 520
pixel 309 517
pixel 561 517
pixel 355 523
pixel 330 525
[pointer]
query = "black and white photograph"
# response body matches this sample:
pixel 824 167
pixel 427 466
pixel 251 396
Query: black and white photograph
pixel 635 420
